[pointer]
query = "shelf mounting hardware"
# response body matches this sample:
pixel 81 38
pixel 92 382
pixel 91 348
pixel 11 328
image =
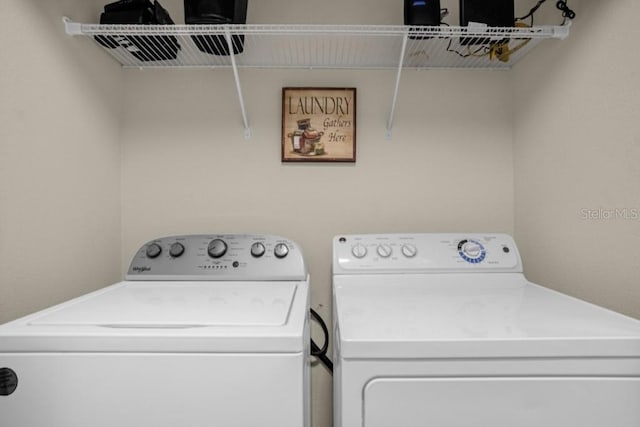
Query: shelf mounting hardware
pixel 72 28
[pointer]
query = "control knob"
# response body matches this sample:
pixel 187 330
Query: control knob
pixel 176 250
pixel 409 250
pixel 384 250
pixel 257 250
pixel 472 249
pixel 281 250
pixel 217 248
pixel 359 251
pixel 154 250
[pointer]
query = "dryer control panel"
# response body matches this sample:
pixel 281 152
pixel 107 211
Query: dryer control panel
pixel 428 253
pixel 218 257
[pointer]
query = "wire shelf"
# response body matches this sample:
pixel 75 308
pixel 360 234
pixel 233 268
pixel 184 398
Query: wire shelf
pixel 315 46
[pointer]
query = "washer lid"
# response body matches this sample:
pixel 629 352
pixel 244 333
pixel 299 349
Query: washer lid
pixel 473 316
pixel 178 305
pixel 169 316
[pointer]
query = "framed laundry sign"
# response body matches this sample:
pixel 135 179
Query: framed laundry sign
pixel 318 124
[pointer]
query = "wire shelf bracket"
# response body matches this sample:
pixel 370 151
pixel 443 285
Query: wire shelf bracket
pixel 245 119
pixel 397 87
pixel 298 46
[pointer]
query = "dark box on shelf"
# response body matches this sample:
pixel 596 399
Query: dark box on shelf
pixel 494 13
pixel 140 12
pixel 216 12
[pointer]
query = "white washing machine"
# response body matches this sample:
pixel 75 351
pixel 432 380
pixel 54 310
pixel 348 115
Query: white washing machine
pixel 444 330
pixel 206 330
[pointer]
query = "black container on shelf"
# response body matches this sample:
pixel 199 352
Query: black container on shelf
pixel 216 12
pixel 122 5
pixel 422 12
pixel 418 13
pixel 493 13
pixel 139 12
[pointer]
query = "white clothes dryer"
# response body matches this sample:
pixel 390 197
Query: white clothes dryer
pixel 206 330
pixel 444 330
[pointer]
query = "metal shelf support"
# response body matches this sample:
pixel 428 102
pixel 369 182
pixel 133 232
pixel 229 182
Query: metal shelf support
pixel 245 120
pixel 397 86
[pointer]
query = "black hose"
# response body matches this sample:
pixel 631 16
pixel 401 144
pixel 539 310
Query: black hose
pixel 321 353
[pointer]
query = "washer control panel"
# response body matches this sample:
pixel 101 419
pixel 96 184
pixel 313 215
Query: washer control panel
pixel 218 257
pixel 433 252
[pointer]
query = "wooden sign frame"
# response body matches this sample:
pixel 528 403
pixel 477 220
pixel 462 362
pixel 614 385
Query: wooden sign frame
pixel 318 124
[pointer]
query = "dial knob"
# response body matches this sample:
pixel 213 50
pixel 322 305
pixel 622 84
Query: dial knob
pixel 217 248
pixel 384 250
pixel 471 249
pixel 409 250
pixel 257 250
pixel 359 251
pixel 154 250
pixel 176 250
pixel 281 250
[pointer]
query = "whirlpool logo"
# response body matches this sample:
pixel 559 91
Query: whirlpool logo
pixel 141 269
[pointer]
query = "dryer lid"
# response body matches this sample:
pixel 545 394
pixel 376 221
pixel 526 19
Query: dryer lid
pixel 169 316
pixel 472 316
